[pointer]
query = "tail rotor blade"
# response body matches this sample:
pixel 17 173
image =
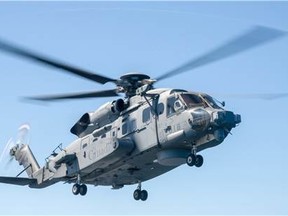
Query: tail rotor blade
pixel 8 163
pixel 21 138
pixel 5 155
pixel 23 134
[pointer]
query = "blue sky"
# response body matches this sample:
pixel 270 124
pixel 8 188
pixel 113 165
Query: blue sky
pixel 247 174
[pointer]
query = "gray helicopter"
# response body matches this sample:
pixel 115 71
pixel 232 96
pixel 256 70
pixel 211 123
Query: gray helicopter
pixel 142 135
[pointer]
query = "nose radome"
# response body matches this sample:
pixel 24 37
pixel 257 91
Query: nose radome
pixel 225 118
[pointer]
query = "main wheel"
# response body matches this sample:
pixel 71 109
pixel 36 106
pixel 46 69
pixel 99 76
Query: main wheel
pixel 76 189
pixel 199 161
pixel 144 195
pixel 83 190
pixel 137 194
pixel 191 159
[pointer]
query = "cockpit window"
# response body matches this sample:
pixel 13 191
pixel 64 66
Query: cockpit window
pixel 170 105
pixel 211 101
pixel 192 100
pixel 174 105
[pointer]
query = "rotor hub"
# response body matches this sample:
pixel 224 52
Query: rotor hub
pixel 134 77
pixel 130 82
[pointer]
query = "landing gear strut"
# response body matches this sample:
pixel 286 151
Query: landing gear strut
pixel 78 188
pixel 140 194
pixel 194 159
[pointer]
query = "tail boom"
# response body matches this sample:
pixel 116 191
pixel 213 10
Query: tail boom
pixel 25 157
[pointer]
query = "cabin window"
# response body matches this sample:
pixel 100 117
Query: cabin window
pixel 160 108
pixel 132 126
pixel 146 115
pixel 124 128
pixel 85 142
pixel 129 126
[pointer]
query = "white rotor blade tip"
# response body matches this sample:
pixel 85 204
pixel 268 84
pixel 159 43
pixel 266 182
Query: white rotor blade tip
pixel 24 127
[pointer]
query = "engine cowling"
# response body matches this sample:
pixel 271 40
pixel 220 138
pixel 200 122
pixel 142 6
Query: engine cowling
pixel 104 115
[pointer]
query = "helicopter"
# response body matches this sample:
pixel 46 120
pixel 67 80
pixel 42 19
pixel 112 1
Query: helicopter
pixel 147 132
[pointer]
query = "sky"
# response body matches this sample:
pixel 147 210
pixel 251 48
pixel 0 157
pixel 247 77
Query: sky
pixel 246 174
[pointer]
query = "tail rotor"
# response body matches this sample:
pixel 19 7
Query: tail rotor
pixel 11 146
pixel 23 134
pixel 6 158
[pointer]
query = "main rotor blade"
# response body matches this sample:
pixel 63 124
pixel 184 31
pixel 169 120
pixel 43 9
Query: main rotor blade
pixel 21 52
pixel 257 36
pixel 263 96
pixel 105 93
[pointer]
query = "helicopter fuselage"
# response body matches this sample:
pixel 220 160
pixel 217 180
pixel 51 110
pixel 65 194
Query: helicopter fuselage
pixel 154 134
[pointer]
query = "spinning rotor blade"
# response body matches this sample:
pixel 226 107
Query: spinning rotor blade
pixel 257 36
pixel 265 96
pixel 22 135
pixel 105 93
pixel 5 153
pixel 21 52
pixel 22 138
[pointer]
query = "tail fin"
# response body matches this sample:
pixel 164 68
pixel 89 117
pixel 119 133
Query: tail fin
pixel 23 154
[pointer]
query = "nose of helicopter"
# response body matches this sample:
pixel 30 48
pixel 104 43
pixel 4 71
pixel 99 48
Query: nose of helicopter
pixel 226 119
pixel 224 122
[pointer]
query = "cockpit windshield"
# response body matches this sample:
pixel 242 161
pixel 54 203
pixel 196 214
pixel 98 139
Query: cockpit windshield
pixel 211 101
pixel 199 100
pixel 192 100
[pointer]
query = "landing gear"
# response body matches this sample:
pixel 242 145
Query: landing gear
pixel 191 159
pixel 137 194
pixel 79 188
pixel 140 194
pixel 199 161
pixel 76 189
pixel 83 190
pixel 194 159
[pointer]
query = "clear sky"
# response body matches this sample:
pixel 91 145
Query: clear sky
pixel 246 174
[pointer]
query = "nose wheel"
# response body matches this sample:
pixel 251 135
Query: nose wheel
pixel 140 194
pixel 79 188
pixel 193 159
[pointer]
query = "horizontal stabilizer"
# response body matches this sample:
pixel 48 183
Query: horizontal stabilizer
pixel 17 180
